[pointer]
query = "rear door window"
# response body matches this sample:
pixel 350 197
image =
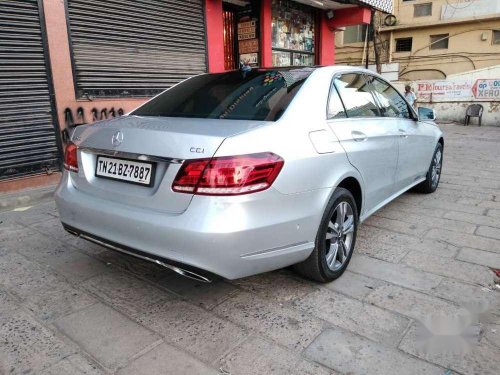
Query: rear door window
pixel 236 95
pixel 391 102
pixel 356 95
pixel 335 107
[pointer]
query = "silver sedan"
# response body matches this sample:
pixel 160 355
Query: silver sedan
pixel 243 172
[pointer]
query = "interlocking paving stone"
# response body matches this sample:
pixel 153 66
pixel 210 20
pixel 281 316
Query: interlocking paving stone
pixel 192 328
pixel 484 258
pixel 348 353
pixel 465 240
pixel 394 273
pixel 74 365
pixel 168 360
pixel 26 345
pixel 427 222
pixel 492 334
pixel 22 277
pixel 126 293
pixel 493 213
pixel 489 232
pixel 7 303
pixel 474 359
pixel 57 300
pixel 437 203
pixel 374 239
pixel 413 304
pixel 490 204
pixel 473 219
pixel 258 356
pixel 108 336
pixel 355 285
pixel 279 286
pixel 363 318
pixel 456 269
pixel 289 327
pixel 466 294
pixel 397 226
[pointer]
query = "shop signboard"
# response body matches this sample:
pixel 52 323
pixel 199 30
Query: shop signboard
pixel 487 89
pixel 248 46
pixel 444 90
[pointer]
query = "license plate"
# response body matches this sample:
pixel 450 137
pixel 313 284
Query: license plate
pixel 134 172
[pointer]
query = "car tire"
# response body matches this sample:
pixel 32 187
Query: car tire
pixel 334 242
pixel 433 176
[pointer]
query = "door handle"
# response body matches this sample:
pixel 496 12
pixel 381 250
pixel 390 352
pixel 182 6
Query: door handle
pixel 402 133
pixel 358 136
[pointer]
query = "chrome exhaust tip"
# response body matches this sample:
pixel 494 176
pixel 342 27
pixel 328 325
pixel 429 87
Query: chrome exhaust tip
pixel 181 271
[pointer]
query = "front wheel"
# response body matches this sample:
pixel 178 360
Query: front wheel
pixel 335 239
pixel 433 174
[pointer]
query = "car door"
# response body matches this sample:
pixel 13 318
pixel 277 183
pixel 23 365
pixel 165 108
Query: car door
pixel 370 141
pixel 413 141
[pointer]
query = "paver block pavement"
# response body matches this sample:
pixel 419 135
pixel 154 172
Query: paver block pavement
pixel 394 273
pixel 348 353
pixel 26 345
pixel 283 324
pixel 363 318
pixel 166 360
pixel 481 257
pixel 110 337
pixel 475 358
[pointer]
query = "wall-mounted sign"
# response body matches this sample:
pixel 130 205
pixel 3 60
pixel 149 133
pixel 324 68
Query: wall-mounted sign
pixel 248 46
pixel 250 58
pixel 487 89
pixel 247 30
pixel 444 90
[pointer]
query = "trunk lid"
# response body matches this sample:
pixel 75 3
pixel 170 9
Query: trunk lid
pixel 160 140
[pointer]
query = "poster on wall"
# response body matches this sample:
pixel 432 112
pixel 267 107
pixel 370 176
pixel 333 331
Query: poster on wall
pixel 487 89
pixel 247 30
pixel 251 59
pixel 248 46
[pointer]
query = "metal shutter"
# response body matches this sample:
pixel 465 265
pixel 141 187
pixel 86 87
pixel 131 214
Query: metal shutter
pixel 27 134
pixel 135 47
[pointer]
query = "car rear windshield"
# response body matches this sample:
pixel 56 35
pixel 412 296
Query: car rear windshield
pixel 236 95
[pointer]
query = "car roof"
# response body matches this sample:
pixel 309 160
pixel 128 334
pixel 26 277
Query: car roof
pixel 331 68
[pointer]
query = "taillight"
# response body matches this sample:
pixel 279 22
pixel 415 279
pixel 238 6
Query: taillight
pixel 228 175
pixel 70 158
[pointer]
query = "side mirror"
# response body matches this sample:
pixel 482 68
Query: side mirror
pixel 426 114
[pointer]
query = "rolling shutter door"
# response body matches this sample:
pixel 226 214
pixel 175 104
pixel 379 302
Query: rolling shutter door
pixel 135 47
pixel 27 135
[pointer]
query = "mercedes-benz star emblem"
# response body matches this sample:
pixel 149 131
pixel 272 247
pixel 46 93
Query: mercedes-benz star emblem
pixel 117 139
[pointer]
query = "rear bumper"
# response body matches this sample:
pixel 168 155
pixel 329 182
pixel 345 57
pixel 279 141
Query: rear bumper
pixel 228 236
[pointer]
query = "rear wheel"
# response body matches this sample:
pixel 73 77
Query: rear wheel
pixel 433 174
pixel 335 239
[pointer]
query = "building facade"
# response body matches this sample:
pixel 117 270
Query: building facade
pixel 65 63
pixel 427 39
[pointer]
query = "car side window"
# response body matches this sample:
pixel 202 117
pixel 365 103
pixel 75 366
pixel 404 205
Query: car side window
pixel 391 102
pixel 335 107
pixel 356 96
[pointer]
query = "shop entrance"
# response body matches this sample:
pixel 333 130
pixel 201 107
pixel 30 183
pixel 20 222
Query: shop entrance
pixel 241 34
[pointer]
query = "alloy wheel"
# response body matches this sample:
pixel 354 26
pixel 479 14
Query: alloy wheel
pixel 339 236
pixel 436 168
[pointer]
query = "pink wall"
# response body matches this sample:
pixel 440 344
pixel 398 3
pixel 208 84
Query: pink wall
pixel 62 74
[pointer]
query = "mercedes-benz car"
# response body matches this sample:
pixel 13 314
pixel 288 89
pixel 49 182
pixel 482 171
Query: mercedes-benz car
pixel 242 172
